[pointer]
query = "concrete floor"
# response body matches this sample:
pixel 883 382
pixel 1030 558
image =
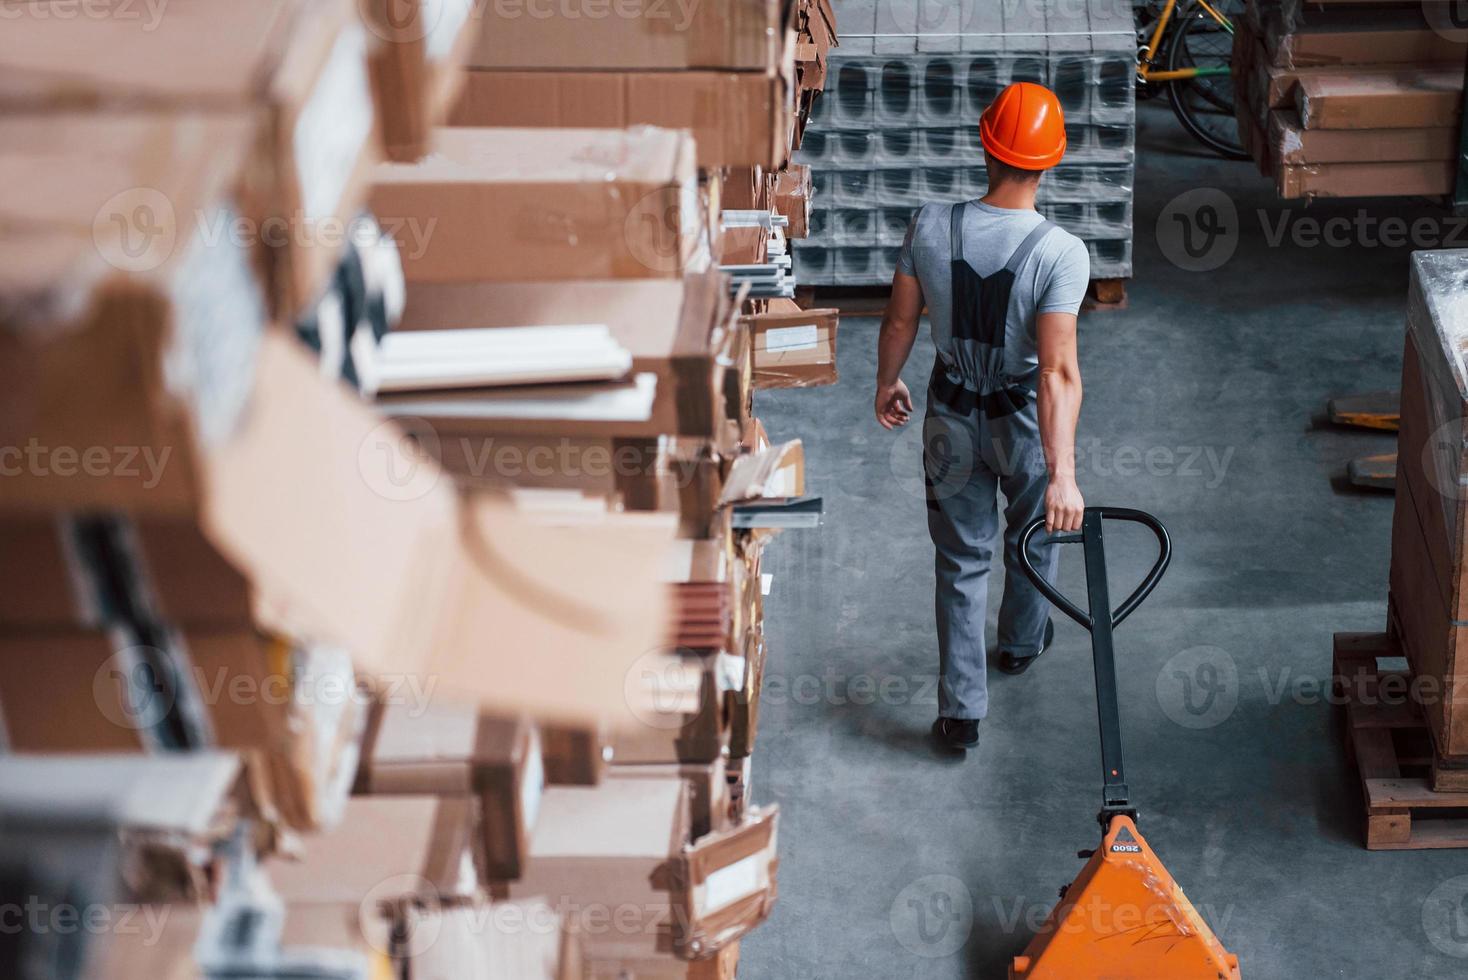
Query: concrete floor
pixel 899 862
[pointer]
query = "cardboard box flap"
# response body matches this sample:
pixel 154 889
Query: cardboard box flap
pixel 444 747
pixel 638 154
pixel 631 819
pixel 221 53
pixel 410 843
pixel 728 881
pixel 776 473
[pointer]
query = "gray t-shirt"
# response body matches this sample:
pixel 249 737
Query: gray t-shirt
pixel 1052 280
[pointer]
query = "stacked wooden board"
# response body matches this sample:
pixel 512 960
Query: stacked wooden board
pixel 1350 99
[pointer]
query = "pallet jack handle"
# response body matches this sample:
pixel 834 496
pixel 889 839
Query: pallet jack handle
pixel 1100 621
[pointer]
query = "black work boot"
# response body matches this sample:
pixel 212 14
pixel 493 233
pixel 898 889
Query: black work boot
pixel 957 733
pixel 1011 664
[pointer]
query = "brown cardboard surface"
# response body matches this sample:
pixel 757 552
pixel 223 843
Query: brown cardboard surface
pixel 521 204
pixel 769 474
pixel 737 118
pixel 794 347
pixel 299 66
pixel 1293 144
pixel 737 34
pixel 728 884
pixel 125 954
pixel 679 330
pixel 708 790
pixel 500 941
pixel 152 321
pixel 45 581
pixel 688 723
pixel 1385 45
pixel 60 693
pixel 791 195
pixel 1387 100
pixel 430 851
pixel 606 855
pixel 1408 178
pixel 445 749
pixel 416 65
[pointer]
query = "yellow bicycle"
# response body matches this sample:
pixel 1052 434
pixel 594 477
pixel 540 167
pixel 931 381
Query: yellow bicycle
pixel 1198 46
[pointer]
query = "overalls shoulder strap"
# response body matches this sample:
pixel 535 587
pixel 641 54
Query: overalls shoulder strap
pixel 1030 243
pixel 955 230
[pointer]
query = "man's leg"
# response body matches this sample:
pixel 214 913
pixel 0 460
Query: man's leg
pixel 963 523
pixel 1023 612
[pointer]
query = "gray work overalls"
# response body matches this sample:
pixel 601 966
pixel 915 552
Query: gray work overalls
pixel 981 435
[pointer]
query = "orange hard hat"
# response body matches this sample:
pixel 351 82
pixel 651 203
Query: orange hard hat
pixel 1024 127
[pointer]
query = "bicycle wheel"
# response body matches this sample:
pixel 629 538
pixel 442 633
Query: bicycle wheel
pixel 1205 105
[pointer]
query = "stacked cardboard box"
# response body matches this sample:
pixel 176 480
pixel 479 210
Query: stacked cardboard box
pixel 331 686
pixel 1350 100
pixel 900 126
pixel 1428 528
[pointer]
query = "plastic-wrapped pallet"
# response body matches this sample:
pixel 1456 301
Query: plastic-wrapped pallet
pixel 898 125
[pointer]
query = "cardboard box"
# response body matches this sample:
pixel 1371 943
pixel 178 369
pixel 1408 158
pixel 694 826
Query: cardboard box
pixel 298 67
pixel 735 34
pixel 737 118
pixel 793 347
pixel 708 790
pixel 1293 144
pixel 723 965
pixel 1351 37
pixel 521 204
pixel 416 62
pixel 292 711
pixel 1428 527
pixel 1405 178
pixel 51 575
pixel 607 855
pixel 1386 100
pixel 292 715
pixel 574 756
pixel 170 813
pixel 679 330
pixel 620 850
pixel 743 704
pixel 454 751
pixel 688 722
pixel 168 954
pixel 385 849
pixel 59 692
pixel 791 196
pixel 501 941
pixel 162 321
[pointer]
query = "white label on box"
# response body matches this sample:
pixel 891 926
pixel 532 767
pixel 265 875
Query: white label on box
pixel 219 313
pixel 445 19
pixel 792 338
pixel 781 483
pixel 333 126
pixel 728 885
pixel 729 670
pixel 766 579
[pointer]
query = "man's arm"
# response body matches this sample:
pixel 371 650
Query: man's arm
pixel 894 344
pixel 1059 405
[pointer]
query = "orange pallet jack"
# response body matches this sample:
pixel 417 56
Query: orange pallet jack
pixel 1123 918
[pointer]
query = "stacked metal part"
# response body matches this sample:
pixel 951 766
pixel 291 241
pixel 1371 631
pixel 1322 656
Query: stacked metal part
pixel 898 125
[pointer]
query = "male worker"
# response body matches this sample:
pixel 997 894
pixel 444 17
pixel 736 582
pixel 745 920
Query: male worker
pixel 1003 287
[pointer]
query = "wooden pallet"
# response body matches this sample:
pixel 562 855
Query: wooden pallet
pixel 1389 744
pixel 1107 294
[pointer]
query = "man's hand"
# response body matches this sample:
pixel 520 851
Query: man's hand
pixel 1064 505
pixel 894 405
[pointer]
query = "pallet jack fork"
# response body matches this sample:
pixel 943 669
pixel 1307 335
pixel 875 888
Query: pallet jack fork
pixel 1123 917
